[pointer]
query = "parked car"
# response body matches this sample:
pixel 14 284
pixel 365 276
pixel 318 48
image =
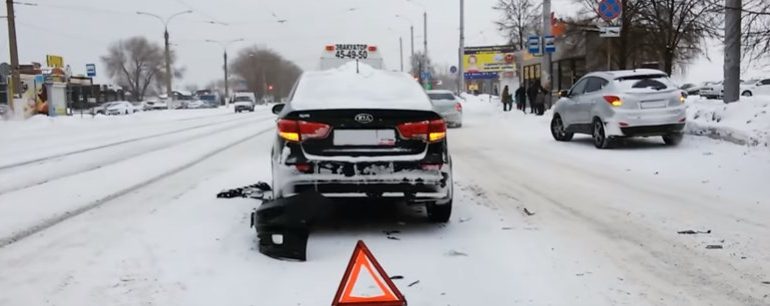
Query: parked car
pixel 755 87
pixel 244 103
pixel 691 89
pixel 154 104
pixel 120 108
pixel 363 133
pixel 617 104
pixel 746 89
pixel 448 106
pixel 195 104
pixel 211 100
pixel 101 109
pixel 711 90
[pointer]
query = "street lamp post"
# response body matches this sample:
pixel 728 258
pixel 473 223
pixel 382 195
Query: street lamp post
pixel 411 30
pixel 165 22
pixel 461 69
pixel 224 45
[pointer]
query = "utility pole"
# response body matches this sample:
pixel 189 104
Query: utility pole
pixel 732 68
pixel 545 75
pixel 15 79
pixel 411 32
pixel 224 45
pixel 169 73
pixel 460 68
pixel 425 33
pixel 401 51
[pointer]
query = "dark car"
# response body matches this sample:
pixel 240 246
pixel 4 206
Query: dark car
pixel 363 134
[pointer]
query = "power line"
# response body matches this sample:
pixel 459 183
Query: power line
pixel 201 12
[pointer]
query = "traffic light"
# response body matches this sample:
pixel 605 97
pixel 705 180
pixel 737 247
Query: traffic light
pixel 270 87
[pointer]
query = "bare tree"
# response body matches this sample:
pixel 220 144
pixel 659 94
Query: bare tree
pixel 519 18
pixel 671 32
pixel 678 28
pixel 756 29
pixel 135 64
pixel 261 68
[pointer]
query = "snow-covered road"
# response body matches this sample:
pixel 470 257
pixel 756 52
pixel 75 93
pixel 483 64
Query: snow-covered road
pixel 601 227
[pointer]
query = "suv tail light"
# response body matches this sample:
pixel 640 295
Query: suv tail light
pixel 614 100
pixel 430 131
pixel 297 130
pixel 459 107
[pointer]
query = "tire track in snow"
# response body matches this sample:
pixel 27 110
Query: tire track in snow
pixel 113 144
pixel 120 159
pixel 48 223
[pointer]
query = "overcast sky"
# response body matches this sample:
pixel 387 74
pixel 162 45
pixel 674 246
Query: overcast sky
pixel 81 30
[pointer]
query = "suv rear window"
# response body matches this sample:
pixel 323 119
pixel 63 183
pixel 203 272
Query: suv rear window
pixel 441 96
pixel 650 81
pixel 242 99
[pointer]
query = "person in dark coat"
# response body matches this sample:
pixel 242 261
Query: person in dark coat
pixel 507 100
pixel 536 94
pixel 521 98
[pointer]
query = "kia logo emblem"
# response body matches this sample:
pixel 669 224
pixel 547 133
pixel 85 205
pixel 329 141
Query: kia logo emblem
pixel 364 118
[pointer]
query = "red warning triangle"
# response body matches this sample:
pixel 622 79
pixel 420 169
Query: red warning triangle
pixel 362 285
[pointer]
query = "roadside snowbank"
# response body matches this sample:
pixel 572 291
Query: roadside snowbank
pixel 745 123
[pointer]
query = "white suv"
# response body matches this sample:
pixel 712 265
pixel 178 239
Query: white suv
pixel 617 104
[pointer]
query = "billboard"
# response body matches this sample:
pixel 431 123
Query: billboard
pixel 488 62
pixel 54 61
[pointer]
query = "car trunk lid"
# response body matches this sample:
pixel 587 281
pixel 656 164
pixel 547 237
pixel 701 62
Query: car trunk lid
pixel 362 132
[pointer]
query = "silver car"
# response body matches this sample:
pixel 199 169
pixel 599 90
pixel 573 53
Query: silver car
pixel 618 104
pixel 448 106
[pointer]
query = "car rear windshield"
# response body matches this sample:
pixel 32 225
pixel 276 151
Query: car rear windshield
pixel 242 99
pixel 644 82
pixel 441 96
pixel 208 98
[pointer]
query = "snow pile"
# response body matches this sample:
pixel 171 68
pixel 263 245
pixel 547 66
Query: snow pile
pixel 359 86
pixel 481 104
pixel 745 123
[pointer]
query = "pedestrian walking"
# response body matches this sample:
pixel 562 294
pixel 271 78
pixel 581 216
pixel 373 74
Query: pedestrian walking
pixel 507 99
pixel 521 98
pixel 536 95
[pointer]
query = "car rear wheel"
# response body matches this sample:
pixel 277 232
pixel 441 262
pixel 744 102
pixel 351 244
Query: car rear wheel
pixel 747 93
pixel 439 213
pixel 601 141
pixel 558 131
pixel 673 139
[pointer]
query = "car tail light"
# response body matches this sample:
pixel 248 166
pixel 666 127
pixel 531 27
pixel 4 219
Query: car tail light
pixel 431 167
pixel 613 100
pixel 296 131
pixel 431 131
pixel 682 120
pixel 304 167
pixel 288 130
pixel 459 107
pixel 372 48
pixel 623 124
pixel 330 48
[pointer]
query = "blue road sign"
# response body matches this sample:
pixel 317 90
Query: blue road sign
pixel 610 10
pixel 534 45
pixel 91 70
pixel 550 46
pixel 453 69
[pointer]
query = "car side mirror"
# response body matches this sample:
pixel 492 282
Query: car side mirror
pixel 278 108
pixel 563 94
